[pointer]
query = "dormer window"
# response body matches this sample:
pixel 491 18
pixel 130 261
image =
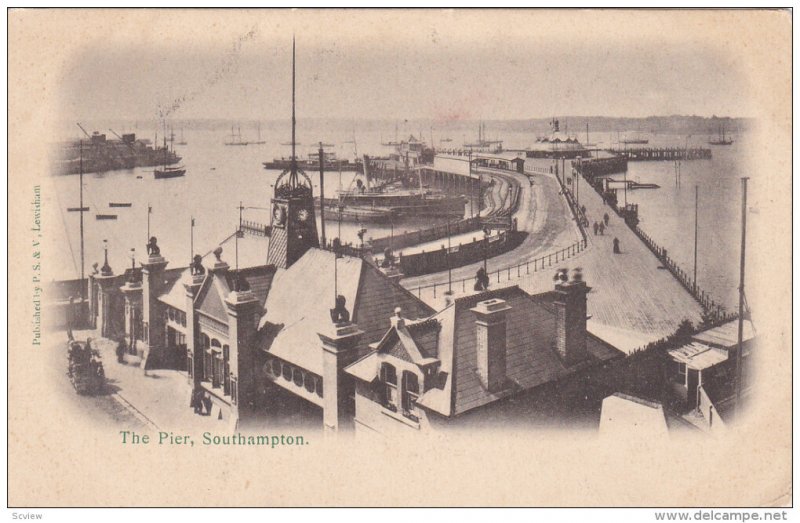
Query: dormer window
pixel 410 395
pixel 389 381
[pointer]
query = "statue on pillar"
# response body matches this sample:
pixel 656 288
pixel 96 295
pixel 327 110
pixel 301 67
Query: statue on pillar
pixel 152 247
pixel 340 314
pixel 197 265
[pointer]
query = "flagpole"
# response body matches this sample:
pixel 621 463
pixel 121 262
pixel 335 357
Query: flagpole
pixel 191 243
pixel 149 211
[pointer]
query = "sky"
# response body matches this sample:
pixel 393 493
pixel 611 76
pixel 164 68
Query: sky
pixel 374 70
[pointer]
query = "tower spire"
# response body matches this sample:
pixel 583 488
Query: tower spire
pixel 293 173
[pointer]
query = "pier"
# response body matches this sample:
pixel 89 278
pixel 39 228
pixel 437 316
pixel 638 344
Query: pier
pixel 634 301
pixel 658 154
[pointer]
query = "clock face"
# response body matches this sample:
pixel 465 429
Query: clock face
pixel 279 215
pixel 303 215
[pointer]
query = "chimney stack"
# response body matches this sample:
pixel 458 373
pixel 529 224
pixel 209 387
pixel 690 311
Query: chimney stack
pixel 570 306
pixel 490 327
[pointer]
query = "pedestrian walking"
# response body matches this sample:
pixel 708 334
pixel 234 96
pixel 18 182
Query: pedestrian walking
pixel 616 246
pixel 602 228
pixel 595 226
pixel 605 218
pixel 121 349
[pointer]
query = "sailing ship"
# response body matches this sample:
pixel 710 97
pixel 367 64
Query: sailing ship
pixel 259 141
pixel 167 171
pixel 236 139
pixel 721 139
pixel 485 144
pixel 394 143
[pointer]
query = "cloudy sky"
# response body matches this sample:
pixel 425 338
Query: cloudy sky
pixel 429 64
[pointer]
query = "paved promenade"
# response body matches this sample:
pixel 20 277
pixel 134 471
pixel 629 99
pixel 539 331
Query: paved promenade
pixel 633 300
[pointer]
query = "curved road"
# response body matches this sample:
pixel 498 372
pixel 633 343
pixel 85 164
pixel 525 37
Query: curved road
pixel 542 213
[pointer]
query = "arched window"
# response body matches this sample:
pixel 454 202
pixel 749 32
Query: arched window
pixel 276 367
pixel 410 393
pixel 389 381
pixel 297 377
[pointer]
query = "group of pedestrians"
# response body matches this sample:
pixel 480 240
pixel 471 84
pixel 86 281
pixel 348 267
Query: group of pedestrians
pixel 600 227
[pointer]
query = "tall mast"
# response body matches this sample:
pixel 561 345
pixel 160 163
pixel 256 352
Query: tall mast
pixel 322 191
pixel 696 192
pixel 83 290
pixel 741 299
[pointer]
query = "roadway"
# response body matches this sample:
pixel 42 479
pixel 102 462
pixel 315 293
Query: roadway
pixel 633 301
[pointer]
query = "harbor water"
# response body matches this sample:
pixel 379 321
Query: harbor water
pixel 219 177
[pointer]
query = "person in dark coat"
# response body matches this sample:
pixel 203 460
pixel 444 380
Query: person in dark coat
pixel 595 226
pixel 605 218
pixel 601 228
pixel 207 403
pixel 197 401
pixel 121 349
pixel 616 246
pixel 481 280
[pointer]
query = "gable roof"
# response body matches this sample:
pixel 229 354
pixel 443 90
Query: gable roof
pixel 531 358
pixel 210 298
pixel 300 298
pixel 299 302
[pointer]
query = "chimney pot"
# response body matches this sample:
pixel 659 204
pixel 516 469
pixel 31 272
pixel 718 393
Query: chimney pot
pixel 490 329
pixel 398 320
pixel 570 303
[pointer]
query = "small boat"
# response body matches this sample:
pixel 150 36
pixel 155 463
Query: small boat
pixel 120 204
pixel 139 177
pixel 105 216
pixel 169 172
pixel 77 209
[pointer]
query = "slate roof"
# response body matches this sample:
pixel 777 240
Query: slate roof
pixel 413 341
pixel 257 278
pixel 531 357
pixel 174 294
pixel 300 298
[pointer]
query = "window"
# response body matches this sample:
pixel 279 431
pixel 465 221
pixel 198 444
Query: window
pixel 216 363
pixel 410 394
pixel 297 377
pixel 226 369
pixel 389 380
pixel 679 372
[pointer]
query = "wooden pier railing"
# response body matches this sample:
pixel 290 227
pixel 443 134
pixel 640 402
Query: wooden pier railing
pixel 713 310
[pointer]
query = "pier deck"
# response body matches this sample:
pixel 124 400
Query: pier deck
pixel 632 302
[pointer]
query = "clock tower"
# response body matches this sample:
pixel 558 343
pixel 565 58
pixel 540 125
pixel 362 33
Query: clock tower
pixel 294 225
